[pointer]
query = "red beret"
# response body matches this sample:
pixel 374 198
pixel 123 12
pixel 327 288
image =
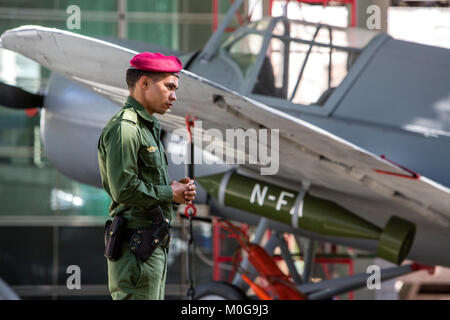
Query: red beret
pixel 156 62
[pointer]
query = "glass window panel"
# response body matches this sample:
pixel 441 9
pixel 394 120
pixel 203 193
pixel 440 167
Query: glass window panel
pixel 271 76
pixel 279 28
pixel 323 36
pixel 302 31
pixel 351 37
pixel 317 81
pixel 244 51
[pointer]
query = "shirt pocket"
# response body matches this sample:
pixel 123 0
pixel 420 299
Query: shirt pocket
pixel 150 159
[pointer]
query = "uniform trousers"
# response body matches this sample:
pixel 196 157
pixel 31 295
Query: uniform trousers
pixel 131 279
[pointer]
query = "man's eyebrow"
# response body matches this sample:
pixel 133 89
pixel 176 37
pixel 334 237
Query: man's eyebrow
pixel 172 85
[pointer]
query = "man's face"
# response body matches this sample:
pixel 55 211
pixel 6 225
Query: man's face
pixel 159 94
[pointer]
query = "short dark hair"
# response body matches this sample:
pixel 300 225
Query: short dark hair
pixel 133 76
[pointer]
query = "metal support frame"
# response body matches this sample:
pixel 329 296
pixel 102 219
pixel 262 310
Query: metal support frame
pixel 326 289
pixel 308 247
pixel 286 254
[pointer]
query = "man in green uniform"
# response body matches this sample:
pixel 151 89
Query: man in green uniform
pixel 134 172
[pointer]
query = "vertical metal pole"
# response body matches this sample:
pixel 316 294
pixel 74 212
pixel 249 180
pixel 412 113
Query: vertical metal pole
pixel 191 242
pixel 184 259
pixel 37 148
pixel 351 294
pixel 191 262
pixel 190 168
pixel 215 11
pixel 176 25
pixel 55 268
pixel 260 229
pixel 308 257
pixel 216 249
pixel 122 31
pixel 330 61
pixel 354 13
pixel 286 56
pixel 184 43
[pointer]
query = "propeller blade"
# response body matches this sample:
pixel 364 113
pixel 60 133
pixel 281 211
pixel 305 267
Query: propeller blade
pixel 17 98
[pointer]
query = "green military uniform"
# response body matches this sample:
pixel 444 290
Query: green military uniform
pixel 134 172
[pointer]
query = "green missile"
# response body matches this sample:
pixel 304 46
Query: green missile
pixel 304 211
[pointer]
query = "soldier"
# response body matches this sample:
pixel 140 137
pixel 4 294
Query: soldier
pixel 134 172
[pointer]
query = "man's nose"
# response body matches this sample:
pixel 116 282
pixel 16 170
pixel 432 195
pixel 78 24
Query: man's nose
pixel 173 96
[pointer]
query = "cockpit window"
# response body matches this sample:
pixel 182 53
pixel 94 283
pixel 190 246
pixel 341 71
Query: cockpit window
pixel 349 37
pixel 305 63
pixel 271 78
pixel 302 31
pixel 244 51
pixel 279 28
pixel 260 25
pixel 324 70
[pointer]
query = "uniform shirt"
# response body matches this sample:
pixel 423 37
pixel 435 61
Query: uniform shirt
pixel 133 165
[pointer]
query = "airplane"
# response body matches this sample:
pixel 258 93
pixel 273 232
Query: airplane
pixel 368 139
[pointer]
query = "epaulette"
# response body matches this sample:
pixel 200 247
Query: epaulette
pixel 130 115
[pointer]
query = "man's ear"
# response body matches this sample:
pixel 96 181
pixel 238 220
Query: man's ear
pixel 144 82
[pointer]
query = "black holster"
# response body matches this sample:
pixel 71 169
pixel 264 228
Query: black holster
pixel 144 241
pixel 115 232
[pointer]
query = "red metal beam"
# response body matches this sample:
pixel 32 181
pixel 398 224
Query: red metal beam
pixel 215 11
pixel 216 249
pixel 238 15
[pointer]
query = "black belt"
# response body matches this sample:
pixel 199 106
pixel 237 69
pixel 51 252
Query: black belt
pixel 156 215
pixel 164 243
pixel 144 241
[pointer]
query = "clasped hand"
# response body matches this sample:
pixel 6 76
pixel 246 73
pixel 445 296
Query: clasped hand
pixel 184 191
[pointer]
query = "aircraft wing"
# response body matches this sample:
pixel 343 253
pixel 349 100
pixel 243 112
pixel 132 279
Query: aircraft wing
pixel 338 170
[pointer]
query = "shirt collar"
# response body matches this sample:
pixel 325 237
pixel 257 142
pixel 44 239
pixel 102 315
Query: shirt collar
pixel 133 103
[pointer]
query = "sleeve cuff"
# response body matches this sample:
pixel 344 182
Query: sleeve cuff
pixel 165 194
